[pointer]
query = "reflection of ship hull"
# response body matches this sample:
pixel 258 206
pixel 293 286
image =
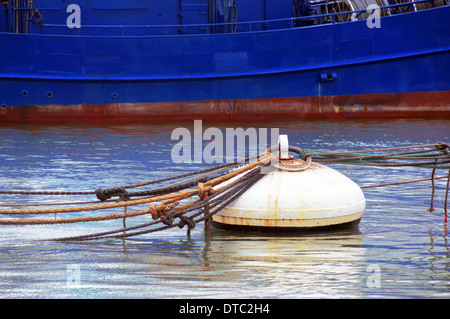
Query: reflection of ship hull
pixel 328 70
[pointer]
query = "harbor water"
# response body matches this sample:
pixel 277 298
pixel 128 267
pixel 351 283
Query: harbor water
pixel 399 250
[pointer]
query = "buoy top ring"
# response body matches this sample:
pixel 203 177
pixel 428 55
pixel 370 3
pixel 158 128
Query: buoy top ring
pixel 294 164
pixel 285 161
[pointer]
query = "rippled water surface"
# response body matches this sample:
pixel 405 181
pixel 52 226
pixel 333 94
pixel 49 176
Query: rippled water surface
pixel 399 249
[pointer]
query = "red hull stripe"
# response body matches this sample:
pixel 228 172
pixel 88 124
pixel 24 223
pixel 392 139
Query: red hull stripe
pixel 417 104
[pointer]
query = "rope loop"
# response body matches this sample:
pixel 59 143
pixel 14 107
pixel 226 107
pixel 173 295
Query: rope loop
pixel 442 146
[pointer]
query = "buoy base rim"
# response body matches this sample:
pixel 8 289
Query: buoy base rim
pixel 311 222
pixel 272 229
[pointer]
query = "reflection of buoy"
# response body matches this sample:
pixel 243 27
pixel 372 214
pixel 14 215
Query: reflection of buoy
pixel 295 196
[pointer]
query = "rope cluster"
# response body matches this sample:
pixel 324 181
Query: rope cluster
pixel 210 190
pixel 427 156
pixel 164 202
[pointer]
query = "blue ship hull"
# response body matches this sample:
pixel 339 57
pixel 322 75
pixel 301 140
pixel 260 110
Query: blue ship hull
pixel 53 73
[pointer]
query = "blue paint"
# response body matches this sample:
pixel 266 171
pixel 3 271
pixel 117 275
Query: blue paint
pixel 126 52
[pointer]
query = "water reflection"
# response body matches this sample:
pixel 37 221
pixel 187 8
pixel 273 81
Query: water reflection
pixel 224 264
pixel 228 264
pixel 409 245
pixel 309 265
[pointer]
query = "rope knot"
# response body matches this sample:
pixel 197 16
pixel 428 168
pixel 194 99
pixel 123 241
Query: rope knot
pixel 104 194
pixel 167 219
pixel 161 210
pixel 204 190
pixel 184 220
pixel 153 212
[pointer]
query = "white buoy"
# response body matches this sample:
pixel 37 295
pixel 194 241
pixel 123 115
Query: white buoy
pixel 296 196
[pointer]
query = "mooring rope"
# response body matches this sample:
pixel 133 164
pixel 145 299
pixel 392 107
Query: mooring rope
pixel 218 198
pixel 167 197
pixel 435 156
pixel 216 187
pixel 405 182
pixel 438 152
pixel 105 194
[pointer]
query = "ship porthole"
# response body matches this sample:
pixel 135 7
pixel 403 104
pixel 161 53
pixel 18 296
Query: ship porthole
pixel 114 95
pixel 25 93
pixel 49 94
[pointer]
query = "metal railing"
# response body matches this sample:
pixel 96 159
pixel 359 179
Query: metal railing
pixel 206 29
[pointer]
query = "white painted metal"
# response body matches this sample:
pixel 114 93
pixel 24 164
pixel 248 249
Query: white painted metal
pixel 317 196
pixel 283 146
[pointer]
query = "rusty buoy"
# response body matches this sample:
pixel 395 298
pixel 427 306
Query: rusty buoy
pixel 296 196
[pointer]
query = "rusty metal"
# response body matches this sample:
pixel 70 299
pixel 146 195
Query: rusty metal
pixel 294 164
pixel 415 104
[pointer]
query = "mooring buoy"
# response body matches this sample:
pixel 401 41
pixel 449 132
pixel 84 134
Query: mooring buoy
pixel 295 195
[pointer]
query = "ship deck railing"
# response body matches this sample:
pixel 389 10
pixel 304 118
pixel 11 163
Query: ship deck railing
pixel 219 28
